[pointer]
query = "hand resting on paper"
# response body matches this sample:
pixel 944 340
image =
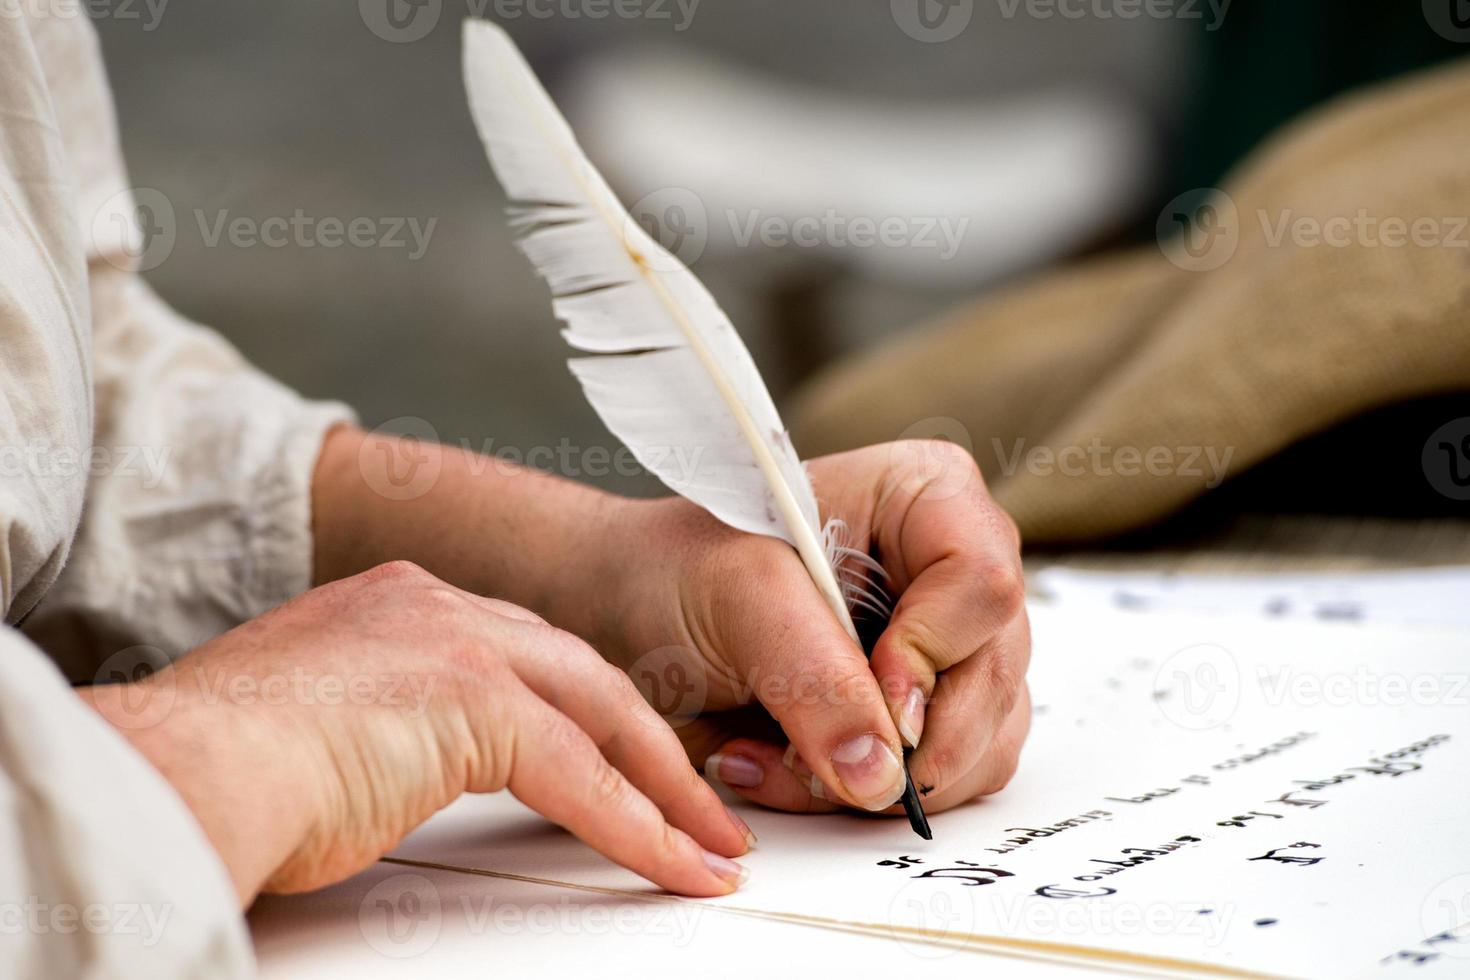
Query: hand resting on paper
pixel 308 741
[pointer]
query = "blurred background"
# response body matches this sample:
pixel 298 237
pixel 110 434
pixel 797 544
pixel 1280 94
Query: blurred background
pixel 1042 131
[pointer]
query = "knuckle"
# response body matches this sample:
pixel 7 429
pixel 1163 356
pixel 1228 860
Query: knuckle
pixel 576 655
pixel 564 739
pixel 570 646
pixel 617 692
pixel 1003 680
pixel 916 639
pixel 672 842
pixel 829 686
pixel 949 461
pixel 1002 588
pixel 397 571
pixel 943 765
pixel 441 603
pixel 557 737
pixel 671 849
pixel 622 688
pixel 608 787
pixel 952 454
pixel 510 610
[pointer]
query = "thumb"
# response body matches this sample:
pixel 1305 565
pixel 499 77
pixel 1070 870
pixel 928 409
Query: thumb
pixel 815 681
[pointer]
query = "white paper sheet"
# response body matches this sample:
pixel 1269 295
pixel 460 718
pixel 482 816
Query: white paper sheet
pixel 391 922
pixel 1277 798
pixel 1433 597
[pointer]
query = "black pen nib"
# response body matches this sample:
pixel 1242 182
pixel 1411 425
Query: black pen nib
pixel 912 806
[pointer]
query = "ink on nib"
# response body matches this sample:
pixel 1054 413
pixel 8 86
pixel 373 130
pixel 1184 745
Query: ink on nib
pixel 911 805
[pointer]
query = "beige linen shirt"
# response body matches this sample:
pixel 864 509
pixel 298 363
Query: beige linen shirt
pixel 154 491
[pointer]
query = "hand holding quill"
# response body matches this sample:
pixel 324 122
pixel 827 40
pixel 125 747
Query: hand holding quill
pixel 666 368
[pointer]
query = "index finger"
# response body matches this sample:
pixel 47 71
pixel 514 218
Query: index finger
pixel 601 699
pixel 556 769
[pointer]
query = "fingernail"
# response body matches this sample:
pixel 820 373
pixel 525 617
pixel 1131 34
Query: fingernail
pixel 734 770
pixel 911 718
pixel 742 826
pixel 870 772
pixel 726 870
pixel 788 758
pixel 819 791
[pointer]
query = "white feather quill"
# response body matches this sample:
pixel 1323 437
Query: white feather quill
pixel 671 372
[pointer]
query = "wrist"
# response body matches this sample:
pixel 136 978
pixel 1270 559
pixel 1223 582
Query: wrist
pixel 591 597
pixel 231 768
pixel 627 581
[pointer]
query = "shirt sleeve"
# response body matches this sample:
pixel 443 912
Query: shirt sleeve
pixel 156 492
pixel 103 870
pixel 198 509
pixel 198 471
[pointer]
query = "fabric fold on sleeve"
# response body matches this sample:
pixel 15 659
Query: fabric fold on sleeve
pixel 199 488
pixel 104 871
